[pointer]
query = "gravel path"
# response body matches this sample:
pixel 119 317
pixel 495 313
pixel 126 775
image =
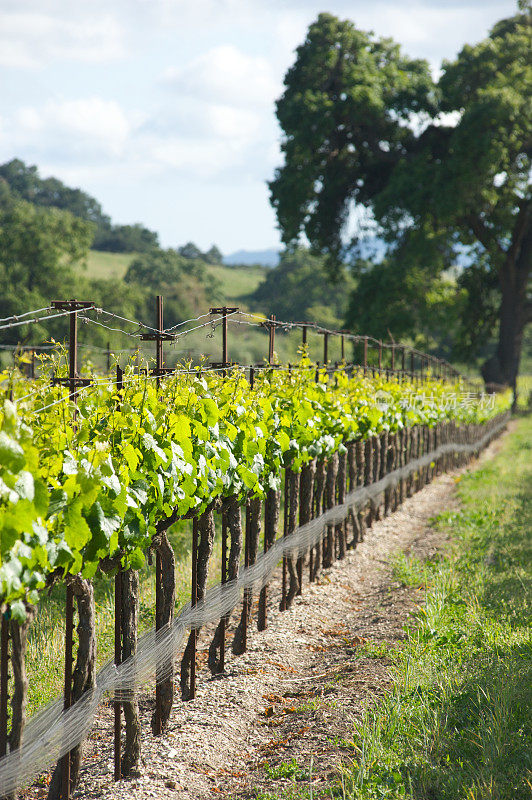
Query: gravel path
pixel 297 690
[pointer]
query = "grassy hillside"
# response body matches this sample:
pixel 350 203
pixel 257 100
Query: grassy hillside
pixel 101 264
pixel 237 282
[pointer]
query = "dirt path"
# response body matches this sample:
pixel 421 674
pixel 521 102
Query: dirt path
pixel 297 690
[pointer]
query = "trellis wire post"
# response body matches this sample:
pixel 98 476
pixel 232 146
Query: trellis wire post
pixel 158 336
pixel 325 349
pixel 285 533
pixel 224 311
pixel 271 338
pixel 223 621
pixel 118 661
pixel 73 381
pixel 247 599
pixel 365 355
pixel 380 356
pixel 118 637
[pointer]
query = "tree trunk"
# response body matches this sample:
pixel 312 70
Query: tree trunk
pixel 515 313
pixel 341 532
pixel 352 469
pixel 321 471
pixel 19 639
pixel 293 585
pixel 272 508
pixel 306 486
pixel 330 500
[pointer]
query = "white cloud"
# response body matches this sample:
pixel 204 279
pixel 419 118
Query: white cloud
pixel 204 140
pixel 210 124
pixel 90 125
pixel 33 39
pixel 226 75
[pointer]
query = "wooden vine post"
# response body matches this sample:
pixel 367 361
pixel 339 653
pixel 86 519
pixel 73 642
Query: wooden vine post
pixel 158 336
pixel 223 311
pixel 325 349
pixel 73 382
pixel 271 338
pixel 118 641
pixel 118 661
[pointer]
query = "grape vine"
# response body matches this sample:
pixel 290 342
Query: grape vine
pixel 75 493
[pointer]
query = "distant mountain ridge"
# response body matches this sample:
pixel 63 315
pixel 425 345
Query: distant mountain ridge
pixel 267 258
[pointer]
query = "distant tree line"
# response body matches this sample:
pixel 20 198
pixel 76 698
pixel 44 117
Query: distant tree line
pixel 23 182
pixel 43 254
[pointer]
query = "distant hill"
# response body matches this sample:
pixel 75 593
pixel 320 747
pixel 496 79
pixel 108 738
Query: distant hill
pixel 267 258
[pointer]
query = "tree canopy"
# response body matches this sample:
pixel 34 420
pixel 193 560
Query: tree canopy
pixel 38 250
pixel 300 289
pixel 442 168
pixel 186 284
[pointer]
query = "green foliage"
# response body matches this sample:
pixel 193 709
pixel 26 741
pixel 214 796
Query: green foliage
pixel 38 248
pixel 187 285
pixel 74 494
pixel 444 166
pixel 286 769
pixel 126 239
pixel 25 183
pixel 299 288
pixel 345 113
pixel 407 300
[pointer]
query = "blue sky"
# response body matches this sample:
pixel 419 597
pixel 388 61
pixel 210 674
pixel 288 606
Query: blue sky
pixel 164 109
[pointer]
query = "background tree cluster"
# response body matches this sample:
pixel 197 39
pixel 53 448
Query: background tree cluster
pixel 441 169
pixel 43 253
pixel 299 289
pixel 24 183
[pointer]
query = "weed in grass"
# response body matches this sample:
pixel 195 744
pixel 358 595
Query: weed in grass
pixel 376 650
pixel 286 769
pixel 409 571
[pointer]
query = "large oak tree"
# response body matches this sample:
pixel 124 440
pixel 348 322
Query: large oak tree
pixel 446 165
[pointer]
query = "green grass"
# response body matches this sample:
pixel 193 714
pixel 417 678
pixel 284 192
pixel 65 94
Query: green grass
pixel 458 723
pixel 101 264
pixel 237 282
